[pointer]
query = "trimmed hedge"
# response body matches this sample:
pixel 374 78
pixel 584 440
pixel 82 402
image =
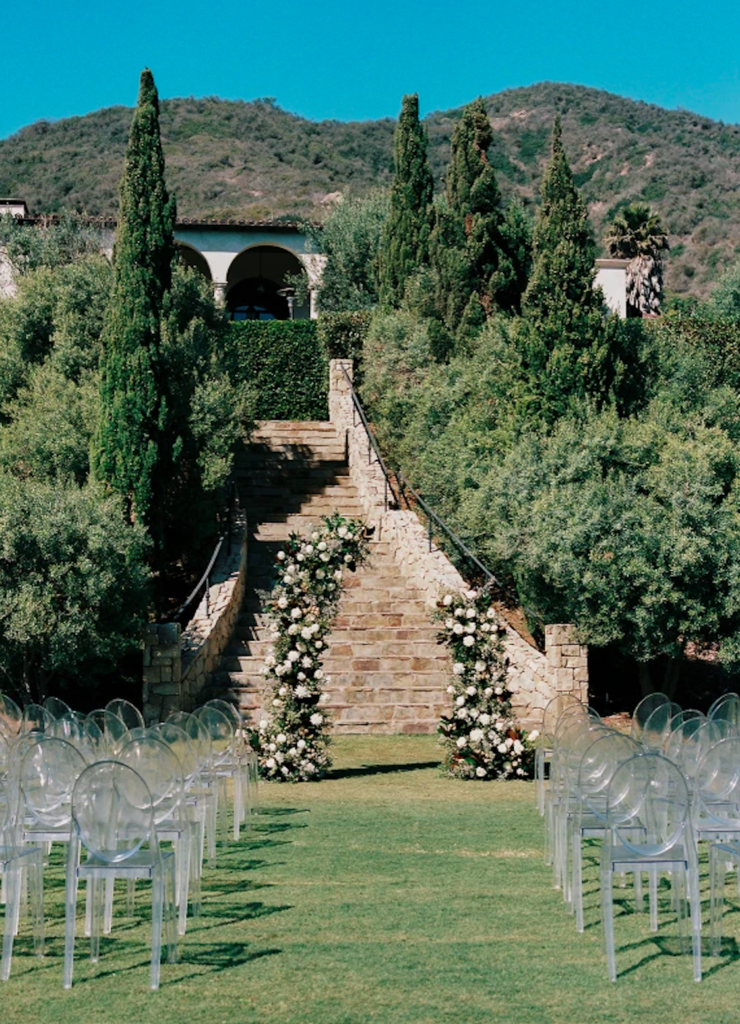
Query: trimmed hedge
pixel 286 363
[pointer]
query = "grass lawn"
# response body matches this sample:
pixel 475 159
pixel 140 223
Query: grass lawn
pixel 384 894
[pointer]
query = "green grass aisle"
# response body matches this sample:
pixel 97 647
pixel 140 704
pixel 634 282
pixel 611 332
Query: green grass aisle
pixel 385 894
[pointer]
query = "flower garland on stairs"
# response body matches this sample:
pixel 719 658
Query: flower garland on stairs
pixel 292 743
pixel 481 737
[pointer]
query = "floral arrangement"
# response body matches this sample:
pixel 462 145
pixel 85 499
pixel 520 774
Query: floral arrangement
pixel 481 737
pixel 292 744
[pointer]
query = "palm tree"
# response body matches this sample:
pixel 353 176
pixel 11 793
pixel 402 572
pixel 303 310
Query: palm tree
pixel 638 235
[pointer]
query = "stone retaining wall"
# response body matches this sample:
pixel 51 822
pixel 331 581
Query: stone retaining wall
pixel 534 678
pixel 178 665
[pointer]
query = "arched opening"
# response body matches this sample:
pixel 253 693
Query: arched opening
pixel 256 276
pixel 192 258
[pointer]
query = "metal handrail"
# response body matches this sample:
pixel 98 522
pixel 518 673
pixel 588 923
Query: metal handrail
pixel 432 517
pixel 225 536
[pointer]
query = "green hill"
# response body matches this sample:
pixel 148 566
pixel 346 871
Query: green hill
pixel 253 160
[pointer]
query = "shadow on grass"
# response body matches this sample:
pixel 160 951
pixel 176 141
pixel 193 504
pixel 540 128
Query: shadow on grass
pixel 672 947
pixel 379 769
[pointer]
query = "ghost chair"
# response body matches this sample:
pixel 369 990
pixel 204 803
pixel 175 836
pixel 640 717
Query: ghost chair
pixel 643 711
pixel 726 709
pixel 687 744
pixel 649 791
pixel 113 825
pixel 658 726
pixel 226 764
pixel 129 714
pixel 57 707
pixel 543 752
pixel 11 717
pixel 20 867
pixel 37 719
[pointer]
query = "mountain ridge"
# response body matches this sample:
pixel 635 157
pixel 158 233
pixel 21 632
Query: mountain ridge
pixel 252 160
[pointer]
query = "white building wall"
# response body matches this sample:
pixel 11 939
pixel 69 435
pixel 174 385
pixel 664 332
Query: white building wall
pixel 611 277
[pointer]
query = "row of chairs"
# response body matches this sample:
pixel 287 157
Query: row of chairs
pixel 650 796
pixel 114 791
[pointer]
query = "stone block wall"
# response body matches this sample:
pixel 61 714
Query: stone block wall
pixel 534 678
pixel 178 665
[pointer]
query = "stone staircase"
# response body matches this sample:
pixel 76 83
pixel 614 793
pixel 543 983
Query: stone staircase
pixel 387 673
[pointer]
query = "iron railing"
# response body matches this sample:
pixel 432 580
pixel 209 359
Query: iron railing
pixel 204 583
pixel 400 489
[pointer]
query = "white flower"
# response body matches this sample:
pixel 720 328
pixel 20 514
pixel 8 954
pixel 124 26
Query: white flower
pixel 322 546
pixel 457 628
pixel 520 771
pixel 301 691
pixel 502 748
pixel 279 757
pixel 498 691
pixel 484 719
pixel 292 629
pixel 481 772
pixel 316 719
pixel 342 532
pixel 449 623
pixel 533 735
pixel 450 688
pixel 308 549
pixel 471 595
pixel 307 662
pixel 461 713
pixel 476 735
pixel 471 691
pixel 324 697
pixel 270 762
pixel 320 574
pixel 282 691
pixel 474 714
pixel 309 768
pixel 284 770
pixel 507 766
pixel 263 725
pixel 319 643
pixel 458 668
pixel 509 742
pixel 280 738
pixel 488 691
pixel 518 748
pixel 277 703
pixel 324 558
pixel 296 613
pixel 470 613
pixel 271 747
pixel 306 633
pixel 282 602
pixel 319 673
pixel 350 536
pixel 460 701
pixel 480 667
pixel 314 536
pixel 281 556
pixel 470 627
pixel 299 557
pixel 301 676
pixel 292 752
pixel 459 612
pixel 301 744
pixel 485 627
pixel 468 640
pixel 491 613
pixel 462 741
pixel 337 574
pixel 293 655
pixel 348 559
pixel 447 600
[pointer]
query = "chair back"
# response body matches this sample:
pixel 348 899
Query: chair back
pixel 181 745
pixel 644 710
pixel 48 773
pixel 37 719
pixel 717 784
pixel 130 715
pixel 599 762
pixel 11 716
pixel 650 791
pixel 57 707
pixel 657 726
pixel 726 709
pixel 112 811
pixel 158 766
pixel 550 716
pixel 221 732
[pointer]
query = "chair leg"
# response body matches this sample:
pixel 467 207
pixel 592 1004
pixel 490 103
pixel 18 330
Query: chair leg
pixel 717 898
pixel 70 915
pixel 11 877
pixel 607 917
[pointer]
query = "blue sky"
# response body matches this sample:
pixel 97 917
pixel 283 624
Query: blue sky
pixel 356 60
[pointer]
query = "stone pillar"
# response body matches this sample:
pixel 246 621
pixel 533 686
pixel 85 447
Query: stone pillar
pixel 567 661
pixel 339 393
pixel 162 690
pixel 219 292
pixel 313 304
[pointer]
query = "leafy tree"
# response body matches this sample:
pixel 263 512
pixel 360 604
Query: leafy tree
pixel 639 236
pixel 724 302
pixel 129 446
pixel 74 586
pixel 478 255
pixel 350 239
pixel 49 244
pixel 571 350
pixel 405 237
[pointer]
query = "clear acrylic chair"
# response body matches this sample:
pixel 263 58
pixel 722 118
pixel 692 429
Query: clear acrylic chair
pixel 226 763
pixel 21 868
pixel 37 719
pixel 643 711
pixel 129 714
pixel 57 707
pixel 113 822
pixel 11 717
pixel 202 789
pixel 658 726
pixel 158 765
pixel 726 709
pixel 649 790
pixel 48 773
pixel 543 751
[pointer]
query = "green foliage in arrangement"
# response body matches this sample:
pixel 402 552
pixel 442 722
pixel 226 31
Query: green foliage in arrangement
pixel 74 587
pixel 405 238
pixel 285 366
pixel 474 247
pixel 480 735
pixel 129 453
pixel 293 742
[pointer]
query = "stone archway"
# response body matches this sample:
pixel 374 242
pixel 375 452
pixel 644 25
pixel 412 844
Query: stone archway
pixel 192 258
pixel 255 278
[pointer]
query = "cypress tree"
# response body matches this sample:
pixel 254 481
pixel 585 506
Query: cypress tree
pixel 569 345
pixel 128 452
pixel 475 249
pixel 405 240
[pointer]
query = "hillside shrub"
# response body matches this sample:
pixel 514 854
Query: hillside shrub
pixel 285 363
pixel 343 334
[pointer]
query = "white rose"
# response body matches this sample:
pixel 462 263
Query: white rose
pixel 474 713
pixel 308 549
pixel 293 655
pixel 270 762
pixel 518 748
pixel 468 640
pixel 461 741
pixel 450 689
pixel 470 613
pixel 350 536
pixel 301 744
pixel 319 673
pixel 324 557
pixel 301 676
pixel 292 629
pixel 314 536
pixel 284 770
pixel 281 556
pixel 502 748
pixel 280 738
pixel 302 691
pixel 282 691
pixel 481 772
pixel 307 662
pixel 277 703
pixel 470 628
pixel 263 725
pixel 316 719
pixel 348 559
pixel 447 600
pixel 322 546
pixel 299 557
pixel 292 752
pixel 533 735
pixel 461 713
pixel 480 667
pixel 471 691
pixel 342 532
pixel 460 701
pixel 471 595
pixel 488 691
pixel 296 613
pixel 319 644
pixel 282 602
pixel 498 691
pixel 458 668
pixel 271 747
pixel 306 633
pixel 457 628
pixel 459 612
pixel 337 574
pixel 491 613
pixel 324 697
pixel 476 735
pixel 449 623
pixel 484 719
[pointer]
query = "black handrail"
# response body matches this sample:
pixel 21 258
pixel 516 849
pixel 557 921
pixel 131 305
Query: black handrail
pixel 491 580
pixel 232 500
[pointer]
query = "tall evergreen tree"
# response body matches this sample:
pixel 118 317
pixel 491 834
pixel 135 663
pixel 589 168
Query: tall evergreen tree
pixel 475 249
pixel 569 346
pixel 405 240
pixel 128 451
